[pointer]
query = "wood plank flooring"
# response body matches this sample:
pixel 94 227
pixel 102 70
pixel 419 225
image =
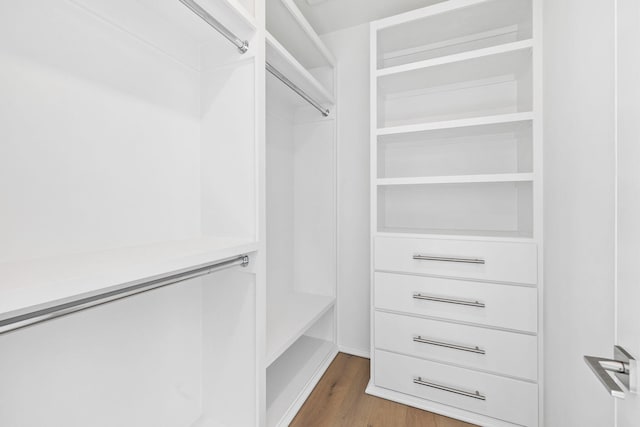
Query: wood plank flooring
pixel 339 400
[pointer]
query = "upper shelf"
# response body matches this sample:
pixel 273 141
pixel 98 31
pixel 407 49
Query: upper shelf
pixel 288 25
pixel 506 59
pixel 33 285
pixel 288 65
pixel 451 27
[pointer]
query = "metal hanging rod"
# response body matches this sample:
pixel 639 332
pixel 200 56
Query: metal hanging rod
pixel 277 74
pixel 242 45
pixel 45 314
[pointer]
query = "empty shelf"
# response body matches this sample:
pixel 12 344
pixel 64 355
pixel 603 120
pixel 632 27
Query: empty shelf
pixel 459 179
pixel 293 376
pixel 453 124
pixel 289 316
pixel 474 65
pixel 39 284
pixel 454 234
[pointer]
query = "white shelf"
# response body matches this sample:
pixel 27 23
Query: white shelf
pixel 288 65
pixel 470 65
pixel 289 315
pixel 459 179
pixel 287 24
pixel 42 283
pixel 460 123
pixel 493 52
pixel 293 376
pixel 450 234
pixel 453 26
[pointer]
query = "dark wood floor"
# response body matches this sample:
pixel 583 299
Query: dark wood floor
pixel 339 400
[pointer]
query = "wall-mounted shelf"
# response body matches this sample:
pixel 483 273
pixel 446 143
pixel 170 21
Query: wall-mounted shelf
pixel 453 124
pixel 451 27
pixel 461 179
pixel 455 234
pixel 509 58
pixel 39 284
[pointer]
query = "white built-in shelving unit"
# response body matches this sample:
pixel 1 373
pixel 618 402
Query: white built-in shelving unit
pixel 300 212
pixel 456 194
pixel 123 165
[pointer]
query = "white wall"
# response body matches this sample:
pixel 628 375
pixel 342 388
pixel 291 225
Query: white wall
pixel 351 49
pixel 579 208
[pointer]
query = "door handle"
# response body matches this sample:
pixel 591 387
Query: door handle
pixel 623 366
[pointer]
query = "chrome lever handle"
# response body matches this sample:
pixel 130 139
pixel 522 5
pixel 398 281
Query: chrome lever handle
pixel 624 367
pixel 596 365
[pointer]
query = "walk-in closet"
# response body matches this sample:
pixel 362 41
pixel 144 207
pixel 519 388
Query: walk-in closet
pixel 319 213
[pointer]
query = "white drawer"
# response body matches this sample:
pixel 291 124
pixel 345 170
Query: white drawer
pixel 491 261
pixel 506 306
pixel 506 399
pixel 501 352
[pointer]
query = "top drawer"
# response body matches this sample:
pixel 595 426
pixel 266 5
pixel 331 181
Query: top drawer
pixel 467 259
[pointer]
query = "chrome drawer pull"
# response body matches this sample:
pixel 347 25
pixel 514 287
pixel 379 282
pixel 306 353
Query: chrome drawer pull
pixel 448 259
pixel 470 303
pixel 474 395
pixel 474 349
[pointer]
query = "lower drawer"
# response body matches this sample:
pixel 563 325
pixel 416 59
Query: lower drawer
pixel 509 400
pixel 506 353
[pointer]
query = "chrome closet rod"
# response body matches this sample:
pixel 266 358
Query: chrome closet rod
pixel 38 316
pixel 242 45
pixel 277 74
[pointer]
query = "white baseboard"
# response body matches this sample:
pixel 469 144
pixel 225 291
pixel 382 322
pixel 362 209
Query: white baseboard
pixel 355 351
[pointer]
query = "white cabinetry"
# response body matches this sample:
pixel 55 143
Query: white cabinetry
pixel 130 135
pixel 300 212
pixel 456 210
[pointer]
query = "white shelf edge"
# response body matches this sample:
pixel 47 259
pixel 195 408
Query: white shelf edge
pixel 322 94
pixel 39 284
pixel 487 237
pixel 459 57
pixel 425 12
pixel 308 30
pixel 459 123
pixel 457 179
pixel 299 329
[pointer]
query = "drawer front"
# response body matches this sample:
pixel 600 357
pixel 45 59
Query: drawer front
pixel 500 352
pixel 505 306
pixel 498 397
pixel 465 259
